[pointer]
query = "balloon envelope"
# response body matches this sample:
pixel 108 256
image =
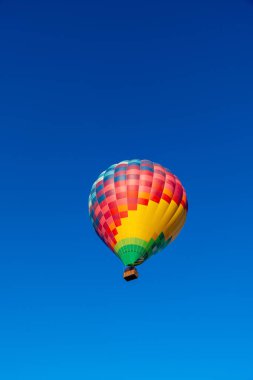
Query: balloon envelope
pixel 137 208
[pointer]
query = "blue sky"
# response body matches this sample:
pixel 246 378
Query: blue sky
pixel 87 84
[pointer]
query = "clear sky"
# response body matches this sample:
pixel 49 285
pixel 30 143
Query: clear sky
pixel 83 85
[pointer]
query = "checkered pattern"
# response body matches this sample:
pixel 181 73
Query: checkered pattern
pixel 122 187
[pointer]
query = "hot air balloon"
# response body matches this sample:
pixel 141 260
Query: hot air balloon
pixel 137 208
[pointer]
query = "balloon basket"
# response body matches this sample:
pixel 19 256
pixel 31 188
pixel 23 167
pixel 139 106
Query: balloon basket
pixel 130 274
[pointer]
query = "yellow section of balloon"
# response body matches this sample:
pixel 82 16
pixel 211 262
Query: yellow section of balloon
pixel 147 222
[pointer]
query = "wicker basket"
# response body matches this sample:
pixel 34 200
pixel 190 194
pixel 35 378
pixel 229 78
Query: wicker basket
pixel 130 274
